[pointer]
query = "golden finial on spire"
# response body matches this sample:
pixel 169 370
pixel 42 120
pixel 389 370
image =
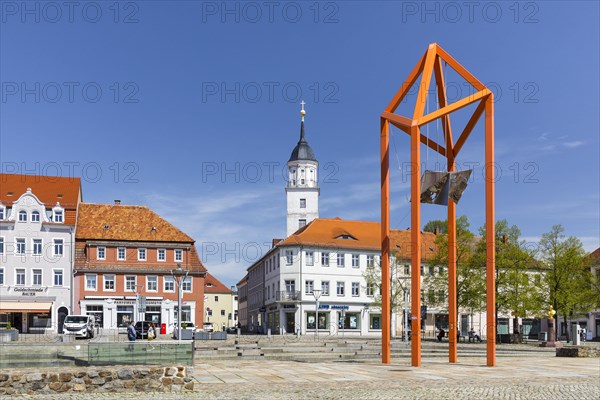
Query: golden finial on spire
pixel 302 112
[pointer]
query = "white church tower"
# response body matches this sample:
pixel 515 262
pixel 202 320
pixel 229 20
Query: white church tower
pixel 302 189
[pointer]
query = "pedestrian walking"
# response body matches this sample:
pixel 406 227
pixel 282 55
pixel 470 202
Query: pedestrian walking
pixel 131 335
pixel 151 331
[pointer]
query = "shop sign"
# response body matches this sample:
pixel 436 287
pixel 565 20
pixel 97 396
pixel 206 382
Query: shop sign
pixel 125 302
pixel 289 306
pixel 333 307
pixel 29 291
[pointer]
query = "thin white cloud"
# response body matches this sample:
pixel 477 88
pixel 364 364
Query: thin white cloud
pixel 572 145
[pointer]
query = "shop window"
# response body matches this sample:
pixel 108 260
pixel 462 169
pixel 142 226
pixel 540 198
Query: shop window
pixel 349 320
pixel 375 321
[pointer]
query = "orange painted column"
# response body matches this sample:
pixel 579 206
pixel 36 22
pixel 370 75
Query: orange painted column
pixel 490 229
pixel 385 241
pixel 452 300
pixel 415 242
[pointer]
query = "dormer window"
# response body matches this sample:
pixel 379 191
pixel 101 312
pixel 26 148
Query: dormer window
pixel 22 216
pixel 35 216
pixel 58 215
pixel 346 237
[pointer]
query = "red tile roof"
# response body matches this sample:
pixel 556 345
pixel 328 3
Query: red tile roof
pixel 358 235
pixel 124 222
pixel 213 285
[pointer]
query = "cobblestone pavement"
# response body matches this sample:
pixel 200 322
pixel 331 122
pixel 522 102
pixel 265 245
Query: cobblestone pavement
pixel 513 378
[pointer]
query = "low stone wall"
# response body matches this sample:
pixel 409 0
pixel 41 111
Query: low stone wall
pixel 578 351
pixel 80 380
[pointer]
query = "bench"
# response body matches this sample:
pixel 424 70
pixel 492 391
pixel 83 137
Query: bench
pixel 473 337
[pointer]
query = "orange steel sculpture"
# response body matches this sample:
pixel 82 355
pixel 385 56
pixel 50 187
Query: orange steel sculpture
pixel 431 63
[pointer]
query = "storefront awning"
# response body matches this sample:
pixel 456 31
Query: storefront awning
pixel 14 306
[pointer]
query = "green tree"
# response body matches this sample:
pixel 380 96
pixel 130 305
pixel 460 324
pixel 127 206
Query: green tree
pixel 568 280
pixel 517 272
pixel 372 277
pixel 470 278
pixel 434 224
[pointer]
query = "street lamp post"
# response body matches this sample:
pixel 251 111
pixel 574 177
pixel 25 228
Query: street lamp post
pixel 177 274
pixel 316 294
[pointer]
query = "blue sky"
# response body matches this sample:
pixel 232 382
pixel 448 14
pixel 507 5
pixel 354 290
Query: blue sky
pixel 192 108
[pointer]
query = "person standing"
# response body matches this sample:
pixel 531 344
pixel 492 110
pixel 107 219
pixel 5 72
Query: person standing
pixel 151 331
pixel 131 335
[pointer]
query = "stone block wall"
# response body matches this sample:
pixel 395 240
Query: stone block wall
pixel 101 380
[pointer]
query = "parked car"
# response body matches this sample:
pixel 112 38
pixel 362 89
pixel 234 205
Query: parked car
pixel 79 326
pixel 141 329
pixel 231 329
pixel 187 325
pixel 208 327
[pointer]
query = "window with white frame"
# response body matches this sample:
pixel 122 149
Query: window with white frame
pixel 58 277
pixel 355 289
pixel 35 216
pixel 20 276
pixel 301 223
pixel 152 283
pixel 141 254
pixel 130 282
pixel 1 276
pixel 22 216
pixel 341 286
pixel 186 284
pixel 370 289
pixel 37 247
pixel 355 261
pixel 325 259
pixel 109 282
pixel 370 260
pixel 216 299
pixel 178 255
pixel 121 253
pixel 310 258
pixel 161 255
pixel 325 288
pixel 168 284
pixel 101 253
pixel 340 260
pixel 58 215
pixel 407 270
pixel 2 212
pixel 58 247
pixel 309 287
pixel 290 286
pixel 36 275
pixel 90 281
pixel 302 203
pixel 1 245
pixel 289 257
pixel 21 248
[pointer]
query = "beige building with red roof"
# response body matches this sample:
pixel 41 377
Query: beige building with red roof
pixel 126 268
pixel 37 225
pixel 220 304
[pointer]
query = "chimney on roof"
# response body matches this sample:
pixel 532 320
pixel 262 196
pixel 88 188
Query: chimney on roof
pixel 117 202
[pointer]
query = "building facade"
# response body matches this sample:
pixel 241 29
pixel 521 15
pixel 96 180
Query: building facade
pixel 129 263
pixel 37 225
pixel 218 303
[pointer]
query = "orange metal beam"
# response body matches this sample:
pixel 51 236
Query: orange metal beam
pixel 415 242
pixel 424 84
pixel 442 100
pixel 457 105
pixel 398 120
pixel 385 240
pixel 408 83
pixel 462 71
pixel 452 300
pixel 469 127
pixel 490 232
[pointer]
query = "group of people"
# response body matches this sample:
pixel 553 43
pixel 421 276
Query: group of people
pixel 472 334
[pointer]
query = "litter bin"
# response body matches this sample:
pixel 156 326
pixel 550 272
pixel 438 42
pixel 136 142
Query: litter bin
pixel 163 329
pixel 543 336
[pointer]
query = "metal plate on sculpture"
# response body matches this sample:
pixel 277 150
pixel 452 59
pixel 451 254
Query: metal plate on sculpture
pixel 458 183
pixel 439 186
pixel 432 183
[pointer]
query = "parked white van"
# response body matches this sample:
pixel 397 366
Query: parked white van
pixel 79 326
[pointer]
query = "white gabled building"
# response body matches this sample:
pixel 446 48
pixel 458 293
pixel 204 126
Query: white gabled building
pixel 37 227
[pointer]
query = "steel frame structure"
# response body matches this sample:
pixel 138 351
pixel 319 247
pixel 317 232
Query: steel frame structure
pixel 431 64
